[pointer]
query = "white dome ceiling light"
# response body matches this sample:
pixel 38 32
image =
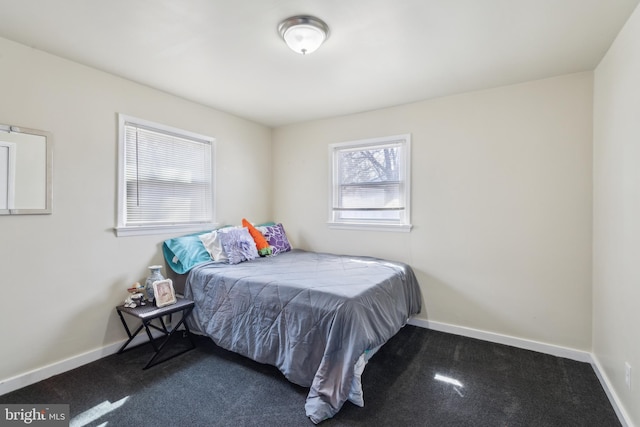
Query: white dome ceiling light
pixel 303 34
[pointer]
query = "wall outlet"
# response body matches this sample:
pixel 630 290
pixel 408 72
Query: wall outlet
pixel 627 375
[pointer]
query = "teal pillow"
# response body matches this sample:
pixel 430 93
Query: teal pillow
pixel 185 252
pixel 265 224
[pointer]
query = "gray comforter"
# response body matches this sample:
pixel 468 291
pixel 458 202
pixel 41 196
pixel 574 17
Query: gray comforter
pixel 312 315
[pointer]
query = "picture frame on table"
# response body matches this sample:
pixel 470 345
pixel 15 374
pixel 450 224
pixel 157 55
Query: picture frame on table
pixel 164 292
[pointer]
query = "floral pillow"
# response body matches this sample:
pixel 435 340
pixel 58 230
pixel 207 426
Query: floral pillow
pixel 276 237
pixel 238 245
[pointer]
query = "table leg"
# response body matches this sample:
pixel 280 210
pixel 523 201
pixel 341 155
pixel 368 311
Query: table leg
pixel 158 349
pixel 129 334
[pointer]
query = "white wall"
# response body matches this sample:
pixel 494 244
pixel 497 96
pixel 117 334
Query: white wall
pixel 501 204
pixel 616 208
pixel 63 274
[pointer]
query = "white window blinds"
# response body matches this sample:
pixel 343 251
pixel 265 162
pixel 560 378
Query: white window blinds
pixel 167 176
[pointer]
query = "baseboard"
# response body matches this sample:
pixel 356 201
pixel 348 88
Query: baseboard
pixel 554 350
pixel 36 375
pixel 624 418
pixel 568 353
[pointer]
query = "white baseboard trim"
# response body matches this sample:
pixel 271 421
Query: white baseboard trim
pixel 623 416
pixel 36 375
pixel 554 350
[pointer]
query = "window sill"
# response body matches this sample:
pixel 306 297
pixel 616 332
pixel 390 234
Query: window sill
pixel 141 230
pixel 402 228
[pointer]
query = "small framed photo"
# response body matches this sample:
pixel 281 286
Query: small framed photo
pixel 164 293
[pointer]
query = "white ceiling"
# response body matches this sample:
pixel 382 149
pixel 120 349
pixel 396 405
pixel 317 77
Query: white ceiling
pixel 227 54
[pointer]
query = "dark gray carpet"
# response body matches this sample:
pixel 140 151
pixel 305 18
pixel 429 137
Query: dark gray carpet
pixel 499 386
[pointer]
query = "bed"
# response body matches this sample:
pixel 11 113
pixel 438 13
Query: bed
pixel 317 317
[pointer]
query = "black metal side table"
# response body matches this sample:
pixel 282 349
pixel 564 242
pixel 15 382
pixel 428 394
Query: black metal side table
pixel 148 313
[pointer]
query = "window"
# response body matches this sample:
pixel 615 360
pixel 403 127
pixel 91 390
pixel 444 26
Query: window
pixel 370 184
pixel 165 179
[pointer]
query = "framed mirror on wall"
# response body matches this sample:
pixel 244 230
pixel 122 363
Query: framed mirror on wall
pixel 26 161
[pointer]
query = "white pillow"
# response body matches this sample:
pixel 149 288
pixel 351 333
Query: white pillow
pixel 212 243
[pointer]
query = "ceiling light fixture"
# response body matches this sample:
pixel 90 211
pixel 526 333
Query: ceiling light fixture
pixel 303 34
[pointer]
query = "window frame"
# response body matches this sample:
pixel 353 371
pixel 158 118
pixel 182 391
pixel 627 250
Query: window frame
pixel 124 229
pixel 401 225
